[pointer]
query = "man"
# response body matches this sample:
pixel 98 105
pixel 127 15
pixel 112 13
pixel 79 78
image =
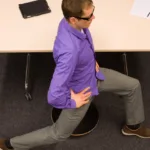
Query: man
pixel 77 79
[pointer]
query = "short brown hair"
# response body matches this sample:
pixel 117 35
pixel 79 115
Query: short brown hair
pixel 74 8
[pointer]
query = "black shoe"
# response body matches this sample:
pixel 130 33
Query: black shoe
pixel 2 145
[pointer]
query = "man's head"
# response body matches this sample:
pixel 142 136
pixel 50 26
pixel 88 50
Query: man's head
pixel 79 13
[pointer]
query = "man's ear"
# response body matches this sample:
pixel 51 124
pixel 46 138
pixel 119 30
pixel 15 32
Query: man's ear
pixel 72 20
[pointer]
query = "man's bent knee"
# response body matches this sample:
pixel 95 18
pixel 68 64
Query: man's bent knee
pixel 135 84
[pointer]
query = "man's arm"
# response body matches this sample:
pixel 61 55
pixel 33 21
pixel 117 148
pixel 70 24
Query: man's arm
pixel 59 93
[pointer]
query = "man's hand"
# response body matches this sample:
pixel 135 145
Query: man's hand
pixel 97 67
pixel 81 98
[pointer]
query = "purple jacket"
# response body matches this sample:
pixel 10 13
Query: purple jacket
pixel 74 56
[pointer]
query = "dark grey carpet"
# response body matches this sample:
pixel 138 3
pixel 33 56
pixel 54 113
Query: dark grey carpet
pixel 19 116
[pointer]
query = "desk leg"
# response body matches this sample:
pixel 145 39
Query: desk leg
pixel 125 63
pixel 27 79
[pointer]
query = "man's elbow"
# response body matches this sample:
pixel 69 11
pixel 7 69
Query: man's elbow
pixel 51 100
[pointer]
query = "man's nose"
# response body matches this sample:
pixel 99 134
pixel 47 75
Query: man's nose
pixel 93 17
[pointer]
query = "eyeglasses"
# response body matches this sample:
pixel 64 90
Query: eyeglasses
pixel 87 18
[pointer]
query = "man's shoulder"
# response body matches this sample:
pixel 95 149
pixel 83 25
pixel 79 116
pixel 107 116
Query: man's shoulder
pixel 63 28
pixel 64 38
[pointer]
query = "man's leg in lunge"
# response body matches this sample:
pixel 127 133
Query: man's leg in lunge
pixel 59 131
pixel 130 90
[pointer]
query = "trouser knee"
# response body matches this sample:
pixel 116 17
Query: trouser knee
pixel 135 84
pixel 59 136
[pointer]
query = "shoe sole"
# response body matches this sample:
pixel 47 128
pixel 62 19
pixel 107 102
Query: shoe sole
pixel 124 133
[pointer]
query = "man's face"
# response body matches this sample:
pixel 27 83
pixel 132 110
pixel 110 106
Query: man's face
pixel 86 19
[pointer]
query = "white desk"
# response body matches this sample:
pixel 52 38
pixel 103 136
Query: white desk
pixel 114 29
pixel 35 34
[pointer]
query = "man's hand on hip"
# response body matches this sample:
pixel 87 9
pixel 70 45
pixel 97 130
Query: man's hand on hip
pixel 97 67
pixel 82 97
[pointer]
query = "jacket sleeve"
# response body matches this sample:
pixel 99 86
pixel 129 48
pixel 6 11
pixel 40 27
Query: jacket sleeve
pixel 59 95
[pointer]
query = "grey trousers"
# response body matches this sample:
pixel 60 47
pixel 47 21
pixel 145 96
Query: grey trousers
pixel 118 83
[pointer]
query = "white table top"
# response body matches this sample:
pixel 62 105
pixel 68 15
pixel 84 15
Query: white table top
pixel 113 29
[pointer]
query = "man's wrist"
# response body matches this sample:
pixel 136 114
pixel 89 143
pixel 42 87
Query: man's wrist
pixel 73 103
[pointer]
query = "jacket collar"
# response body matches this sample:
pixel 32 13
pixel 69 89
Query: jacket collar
pixel 74 31
pixel 78 33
